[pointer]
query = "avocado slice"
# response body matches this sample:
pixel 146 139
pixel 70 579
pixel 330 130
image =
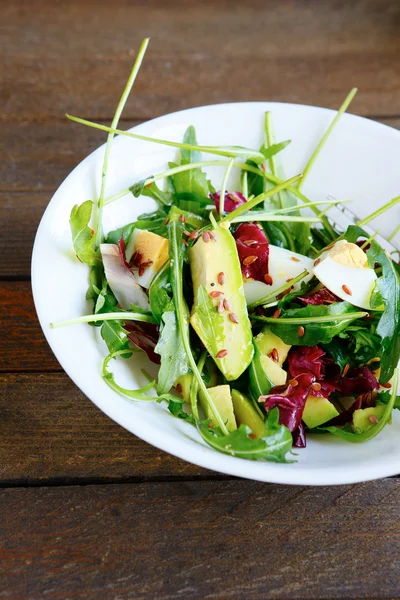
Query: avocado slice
pixel 273 371
pixel 267 341
pixel 246 414
pixel 318 411
pixel 184 382
pixel 221 395
pixel 361 420
pixel 215 269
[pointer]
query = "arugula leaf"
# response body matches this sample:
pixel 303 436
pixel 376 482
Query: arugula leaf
pixel 259 384
pixel 163 198
pixel 175 408
pixel 83 237
pixel 210 321
pixel 314 332
pixel 384 398
pixel 115 337
pixel 388 285
pixel 174 362
pixel 156 224
pixel 160 292
pixel 273 446
pixel 193 181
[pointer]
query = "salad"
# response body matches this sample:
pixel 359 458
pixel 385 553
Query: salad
pixel 267 324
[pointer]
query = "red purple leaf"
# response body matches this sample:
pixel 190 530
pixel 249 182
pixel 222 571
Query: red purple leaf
pixel 144 336
pixel 231 201
pixel 253 249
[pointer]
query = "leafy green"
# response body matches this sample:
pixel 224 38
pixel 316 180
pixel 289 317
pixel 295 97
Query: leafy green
pixel 273 446
pixel 388 286
pixel 174 362
pixel 384 398
pixel 259 384
pixel 83 237
pixel 156 224
pixel 160 292
pixel 210 321
pixel 163 198
pixel 314 332
pixel 175 408
pixel 192 181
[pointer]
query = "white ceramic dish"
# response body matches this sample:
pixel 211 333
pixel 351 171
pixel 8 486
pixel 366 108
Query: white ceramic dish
pixel 359 162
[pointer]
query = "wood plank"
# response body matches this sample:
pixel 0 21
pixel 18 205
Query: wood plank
pixel 50 432
pixel 307 52
pixel 23 345
pixel 231 539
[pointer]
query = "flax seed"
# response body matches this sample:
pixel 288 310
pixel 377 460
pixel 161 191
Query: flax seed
pixel 387 385
pixel 289 280
pixel 221 278
pixel 268 279
pixel 206 236
pixel 275 355
pixel 316 386
pixel 233 317
pixel 316 262
pixel 347 290
pixel 276 314
pixel 194 235
pixel 216 294
pixel 221 353
pixel 227 304
pixel 294 259
pixel 212 236
pixel 182 218
pixel 221 306
pixel 179 388
pixel 301 331
pixel 166 221
pixel 249 260
pixel 252 436
pixel 373 419
pixel 345 370
pixel 146 264
pixel 186 232
pixel 141 271
pixel 250 242
pixel 293 382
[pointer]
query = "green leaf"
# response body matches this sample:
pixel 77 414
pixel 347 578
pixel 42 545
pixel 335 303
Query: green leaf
pixel 259 384
pixel 83 237
pixel 163 198
pixel 115 336
pixel 160 293
pixel 210 321
pixel 274 446
pixel 174 362
pixel 314 332
pixel 193 181
pixel 384 398
pixel 175 407
pixel 388 285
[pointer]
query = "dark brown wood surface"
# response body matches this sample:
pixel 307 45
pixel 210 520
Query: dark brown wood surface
pixel 86 509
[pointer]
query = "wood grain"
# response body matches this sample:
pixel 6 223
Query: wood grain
pixel 77 55
pixel 231 539
pixel 23 345
pixel 51 433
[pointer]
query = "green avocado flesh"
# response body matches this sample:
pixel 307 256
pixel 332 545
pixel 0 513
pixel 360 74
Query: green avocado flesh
pixel 268 341
pixel 215 268
pixel 273 371
pixel 318 411
pixel 221 395
pixel 361 418
pixel 246 414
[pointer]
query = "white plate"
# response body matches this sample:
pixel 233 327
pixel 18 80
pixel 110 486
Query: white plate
pixel 359 162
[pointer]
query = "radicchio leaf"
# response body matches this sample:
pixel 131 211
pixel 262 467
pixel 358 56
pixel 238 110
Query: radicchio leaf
pixel 145 337
pixel 322 296
pixel 290 400
pixel 306 359
pixel 252 241
pixel 299 437
pixel 231 201
pixel 358 381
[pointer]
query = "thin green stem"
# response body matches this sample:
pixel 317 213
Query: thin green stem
pixel 269 142
pixel 218 150
pixel 369 240
pixel 195 386
pixel 379 212
pixel 245 184
pixel 223 186
pixel 114 124
pixel 394 233
pixel 306 320
pixel 114 316
pixel 260 198
pixel 286 286
pixel 326 135
pixel 271 216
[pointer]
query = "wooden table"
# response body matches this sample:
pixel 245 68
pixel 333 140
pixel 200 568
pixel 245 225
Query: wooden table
pixel 86 509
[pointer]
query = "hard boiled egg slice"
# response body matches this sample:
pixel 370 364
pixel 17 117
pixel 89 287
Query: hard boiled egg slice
pixel 152 253
pixel 344 270
pixel 282 265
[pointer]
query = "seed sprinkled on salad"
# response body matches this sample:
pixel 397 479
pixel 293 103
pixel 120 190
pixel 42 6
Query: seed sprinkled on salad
pixel 233 318
pixel 182 218
pixel 347 290
pixel 221 278
pixel 294 259
pixel 221 306
pixel 249 260
pixel 227 304
pixel 345 370
pixel 222 353
pixel 301 331
pixel 216 294
pixel 268 279
pixel 206 236
pixel 194 235
pixel 276 313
